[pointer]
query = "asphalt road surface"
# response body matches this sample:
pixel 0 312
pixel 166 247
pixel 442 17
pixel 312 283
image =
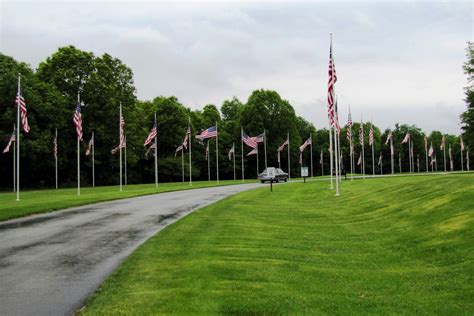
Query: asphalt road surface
pixel 50 263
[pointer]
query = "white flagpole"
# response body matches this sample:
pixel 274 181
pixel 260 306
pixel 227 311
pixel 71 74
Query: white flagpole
pixel 258 171
pixel 363 154
pixel 351 154
pixel 381 167
pixel 18 140
pixel 391 154
pixel 462 162
pixel 156 154
pixel 399 163
pixel 373 153
pixel 265 146
pixel 409 155
pixel 467 159
pixel 418 162
pixel 208 162
pixel 14 163
pixel 190 151
pixel 336 163
pixel 125 158
pixel 289 170
pixel 120 146
pixel 233 156
pixel 182 163
pixel 78 155
pixel 242 147
pixel 426 153
pixel 330 155
pixel 311 153
pixel 444 153
pixel 217 153
pixel 56 159
pixel 93 160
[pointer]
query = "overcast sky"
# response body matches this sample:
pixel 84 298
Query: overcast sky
pixel 396 61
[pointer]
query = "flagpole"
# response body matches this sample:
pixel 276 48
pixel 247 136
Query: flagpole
pixel 373 153
pixel 462 162
pixel 120 146
pixel 409 155
pixel 233 156
pixel 217 153
pixel 289 170
pixel 330 155
pixel 242 147
pixel 467 159
pixel 18 140
pixel 391 154
pixel 14 162
pixel 363 154
pixel 351 154
pixel 208 162
pixel 93 160
pixel 56 159
pixel 190 152
pixel 444 152
pixel 418 162
pixel 426 153
pixel 381 165
pixel 156 155
pixel 182 163
pixel 78 154
pixel 125 158
pixel 311 153
pixel 257 162
pixel 399 163
pixel 265 146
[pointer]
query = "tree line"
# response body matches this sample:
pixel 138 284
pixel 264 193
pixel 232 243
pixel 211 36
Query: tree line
pixel 104 82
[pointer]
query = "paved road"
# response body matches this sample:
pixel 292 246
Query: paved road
pixel 50 263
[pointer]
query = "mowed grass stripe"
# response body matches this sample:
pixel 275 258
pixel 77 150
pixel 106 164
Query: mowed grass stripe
pixel 41 201
pixel 386 246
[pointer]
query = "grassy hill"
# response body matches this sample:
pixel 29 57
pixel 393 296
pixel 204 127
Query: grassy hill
pixel 386 246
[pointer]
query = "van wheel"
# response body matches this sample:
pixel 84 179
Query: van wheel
pixel 262 181
pixel 286 180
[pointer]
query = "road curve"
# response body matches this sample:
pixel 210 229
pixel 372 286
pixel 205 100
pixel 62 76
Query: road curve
pixel 50 263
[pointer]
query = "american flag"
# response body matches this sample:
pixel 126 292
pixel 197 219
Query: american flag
pixel 10 141
pixel 231 152
pixel 89 146
pixel 431 151
pixel 462 143
pixel 55 147
pixel 380 159
pixel 389 137
pixel 349 127
pixel 441 147
pixel 253 152
pixel 406 139
pixel 371 135
pixel 259 138
pixel 151 136
pixel 77 120
pixel 332 80
pixel 208 133
pixel 360 160
pixel 151 148
pixel 122 136
pixel 186 137
pixel 283 145
pixel 305 144
pixel 20 101
pixel 249 141
pixel 361 134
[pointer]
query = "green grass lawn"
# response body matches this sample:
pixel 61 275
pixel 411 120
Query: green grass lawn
pixel 40 201
pixel 386 246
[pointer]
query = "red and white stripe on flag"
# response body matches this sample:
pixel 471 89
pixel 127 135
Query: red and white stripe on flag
pixel 406 139
pixel 253 152
pixel 151 136
pixel 331 81
pixel 20 101
pixel 231 152
pixel 77 120
pixel 305 144
pixel 389 137
pixel 462 143
pixel 89 147
pixel 10 142
pixel 371 136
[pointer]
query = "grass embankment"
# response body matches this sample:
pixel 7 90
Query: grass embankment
pixel 386 246
pixel 41 201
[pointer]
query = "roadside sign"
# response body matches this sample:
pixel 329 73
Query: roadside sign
pixel 304 172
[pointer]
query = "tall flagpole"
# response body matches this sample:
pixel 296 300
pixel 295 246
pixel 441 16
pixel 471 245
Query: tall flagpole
pixel 258 171
pixel 399 163
pixel 18 140
pixel 467 158
pixel 444 152
pixel 208 162
pixel 242 147
pixel 311 153
pixel 78 155
pixel 363 154
pixel 156 154
pixel 462 162
pixel 351 153
pixel 125 158
pixel 409 155
pixel 56 159
pixel 426 152
pixel 373 154
pixel 265 146
pixel 418 162
pixel 391 154
pixel 233 156
pixel 217 153
pixel 289 170
pixel 381 165
pixel 190 151
pixel 182 163
pixel 93 160
pixel 120 145
pixel 336 160
pixel 330 154
pixel 14 162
